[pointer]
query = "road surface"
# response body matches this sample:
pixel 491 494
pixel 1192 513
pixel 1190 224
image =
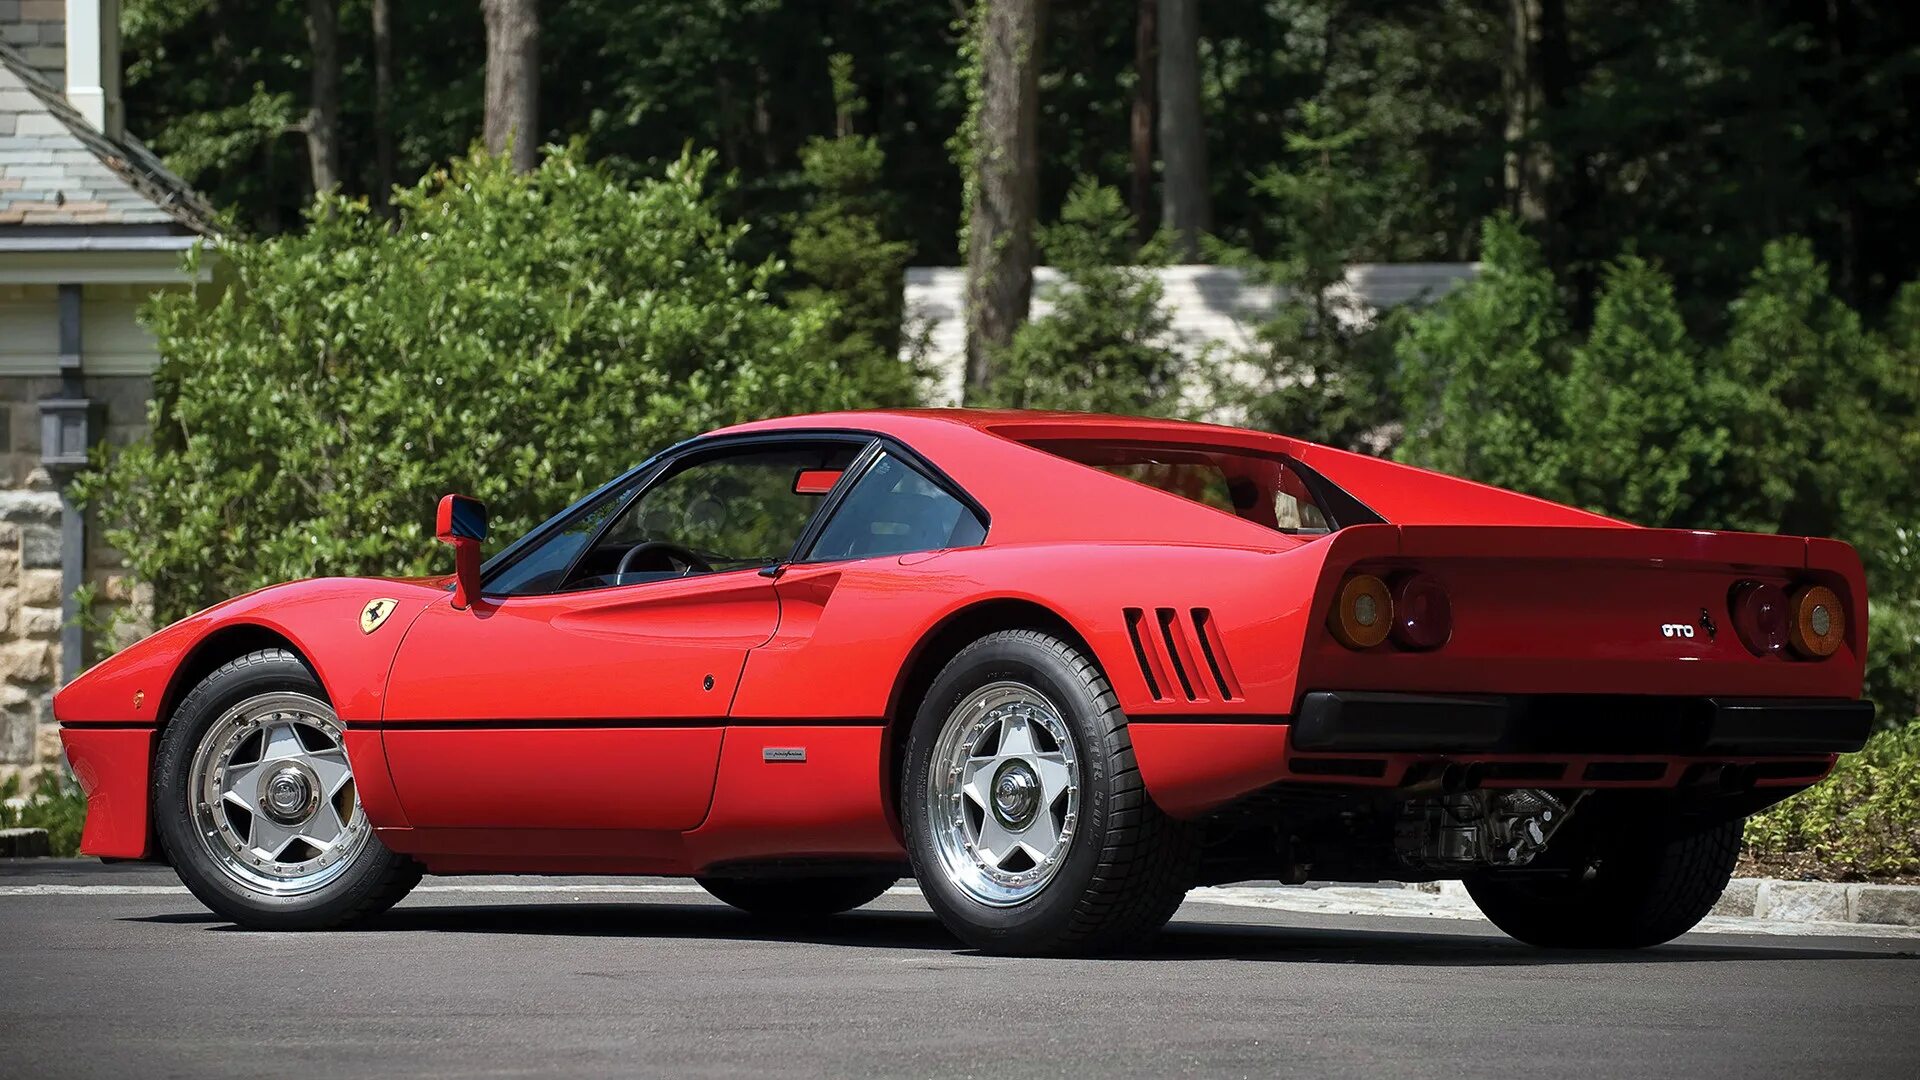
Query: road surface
pixel 116 971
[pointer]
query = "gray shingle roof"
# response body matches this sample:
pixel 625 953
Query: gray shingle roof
pixel 57 169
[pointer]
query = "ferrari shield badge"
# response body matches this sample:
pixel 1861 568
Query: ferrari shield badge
pixel 375 613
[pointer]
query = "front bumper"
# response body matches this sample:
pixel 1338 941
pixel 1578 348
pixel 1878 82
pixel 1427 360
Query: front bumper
pixel 1352 721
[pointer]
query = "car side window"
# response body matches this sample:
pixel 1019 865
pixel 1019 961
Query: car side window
pixel 541 569
pixel 730 511
pixel 893 509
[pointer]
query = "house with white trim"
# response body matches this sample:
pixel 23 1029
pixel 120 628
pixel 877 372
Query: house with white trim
pixel 91 225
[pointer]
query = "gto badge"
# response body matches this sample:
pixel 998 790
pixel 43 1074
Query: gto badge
pixel 1676 629
pixel 375 613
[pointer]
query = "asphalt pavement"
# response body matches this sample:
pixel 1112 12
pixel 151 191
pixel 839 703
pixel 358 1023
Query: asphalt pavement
pixel 117 971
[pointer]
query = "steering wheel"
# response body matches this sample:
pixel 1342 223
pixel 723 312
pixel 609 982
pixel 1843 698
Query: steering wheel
pixel 688 559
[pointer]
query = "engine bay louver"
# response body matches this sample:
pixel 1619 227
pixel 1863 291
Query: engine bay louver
pixel 1181 654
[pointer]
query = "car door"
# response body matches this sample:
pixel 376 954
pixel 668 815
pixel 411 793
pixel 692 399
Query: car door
pixel 589 686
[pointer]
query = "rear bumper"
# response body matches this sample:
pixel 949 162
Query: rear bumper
pixel 1351 721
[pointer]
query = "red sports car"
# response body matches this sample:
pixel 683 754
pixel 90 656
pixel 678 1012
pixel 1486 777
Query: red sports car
pixel 1059 668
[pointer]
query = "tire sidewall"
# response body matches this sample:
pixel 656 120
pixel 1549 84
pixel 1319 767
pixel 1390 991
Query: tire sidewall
pixel 250 676
pixel 1035 922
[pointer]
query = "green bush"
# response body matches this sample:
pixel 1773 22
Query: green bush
pixel 1107 345
pixel 1641 406
pixel 1863 821
pixel 1322 363
pixel 521 338
pixel 843 256
pixel 56 805
pixel 1824 416
pixel 1482 371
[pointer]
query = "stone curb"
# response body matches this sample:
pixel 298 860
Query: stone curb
pixel 23 843
pixel 1788 901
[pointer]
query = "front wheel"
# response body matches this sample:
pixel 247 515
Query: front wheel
pixel 1027 822
pixel 255 803
pixel 1639 888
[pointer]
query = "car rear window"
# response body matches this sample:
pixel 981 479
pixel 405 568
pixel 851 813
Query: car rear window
pixel 1269 490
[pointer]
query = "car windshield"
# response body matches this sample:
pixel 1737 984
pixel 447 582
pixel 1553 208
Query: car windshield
pixel 1265 489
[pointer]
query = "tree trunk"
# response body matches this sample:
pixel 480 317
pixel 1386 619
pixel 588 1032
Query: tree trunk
pixel 1006 158
pixel 323 112
pixel 1529 167
pixel 1184 204
pixel 382 102
pixel 1146 60
pixel 513 80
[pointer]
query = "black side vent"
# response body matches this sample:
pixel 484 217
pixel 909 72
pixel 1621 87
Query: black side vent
pixel 1150 668
pixel 1175 636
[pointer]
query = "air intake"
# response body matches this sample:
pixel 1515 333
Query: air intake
pixel 1181 658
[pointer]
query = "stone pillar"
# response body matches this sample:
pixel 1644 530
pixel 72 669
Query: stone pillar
pixel 30 623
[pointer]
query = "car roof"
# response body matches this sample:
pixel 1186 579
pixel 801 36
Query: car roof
pixel 978 446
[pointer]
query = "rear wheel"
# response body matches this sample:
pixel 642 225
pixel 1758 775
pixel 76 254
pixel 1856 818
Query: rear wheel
pixel 1027 822
pixel 1638 888
pixel 255 804
pixel 798 898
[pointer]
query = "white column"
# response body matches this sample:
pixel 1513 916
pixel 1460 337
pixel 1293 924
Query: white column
pixel 93 62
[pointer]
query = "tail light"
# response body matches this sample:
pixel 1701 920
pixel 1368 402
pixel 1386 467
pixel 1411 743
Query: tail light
pixel 1422 614
pixel 1759 617
pixel 1362 614
pixel 1816 622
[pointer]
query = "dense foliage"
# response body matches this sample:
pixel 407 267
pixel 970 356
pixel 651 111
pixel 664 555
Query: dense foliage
pixel 56 804
pixel 1700 129
pixel 1107 344
pixel 519 338
pixel 1862 822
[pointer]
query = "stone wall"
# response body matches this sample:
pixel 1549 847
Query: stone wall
pixel 31 594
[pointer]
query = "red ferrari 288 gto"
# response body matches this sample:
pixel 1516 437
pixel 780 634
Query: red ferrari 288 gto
pixel 1058 668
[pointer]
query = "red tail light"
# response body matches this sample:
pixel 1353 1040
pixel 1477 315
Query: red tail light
pixel 1422 614
pixel 1760 617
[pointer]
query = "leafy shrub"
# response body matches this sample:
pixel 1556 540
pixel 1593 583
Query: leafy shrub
pixel 1893 628
pixel 841 252
pixel 1482 370
pixel 1322 363
pixel 56 805
pixel 1107 345
pixel 1821 415
pixel 1641 405
pixel 1863 821
pixel 518 337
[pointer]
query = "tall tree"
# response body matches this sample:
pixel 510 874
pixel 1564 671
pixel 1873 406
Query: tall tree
pixel 1146 83
pixel 1005 165
pixel 513 79
pixel 1536 37
pixel 1185 205
pixel 323 113
pixel 384 175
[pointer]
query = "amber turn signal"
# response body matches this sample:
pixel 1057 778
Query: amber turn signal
pixel 1362 614
pixel 1817 624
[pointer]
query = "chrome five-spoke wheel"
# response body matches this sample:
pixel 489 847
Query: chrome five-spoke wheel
pixel 273 799
pixel 1026 818
pixel 1005 793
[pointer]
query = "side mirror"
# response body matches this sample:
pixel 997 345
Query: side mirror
pixel 462 522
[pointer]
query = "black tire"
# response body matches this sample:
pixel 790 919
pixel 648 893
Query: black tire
pixel 374 881
pixel 1643 889
pixel 789 899
pixel 1128 865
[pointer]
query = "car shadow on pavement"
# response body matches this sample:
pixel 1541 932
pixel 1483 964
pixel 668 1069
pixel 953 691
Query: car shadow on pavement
pixel 1187 940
